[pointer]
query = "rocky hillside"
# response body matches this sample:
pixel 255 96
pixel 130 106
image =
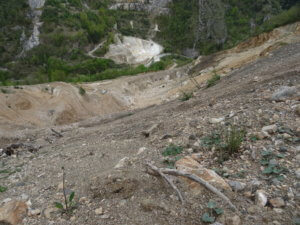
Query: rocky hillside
pixel 44 41
pixel 239 133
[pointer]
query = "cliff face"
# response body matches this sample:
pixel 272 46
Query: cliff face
pixel 156 7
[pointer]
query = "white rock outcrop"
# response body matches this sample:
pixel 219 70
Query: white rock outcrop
pixel 132 50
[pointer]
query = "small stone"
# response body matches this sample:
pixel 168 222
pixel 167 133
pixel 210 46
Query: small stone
pixel 6 200
pixel 141 150
pixel 283 149
pixel 24 197
pixel 216 120
pixel 216 223
pixel 298 173
pixel 34 212
pixel 277 202
pixel 99 211
pixel 261 198
pixel 235 220
pixel 73 218
pixel 286 136
pixel 271 129
pixel 122 163
pixel 83 200
pixel 105 216
pixel 252 210
pixel 236 185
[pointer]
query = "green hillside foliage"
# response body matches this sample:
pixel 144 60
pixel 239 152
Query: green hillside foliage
pixel 243 20
pixel 72 27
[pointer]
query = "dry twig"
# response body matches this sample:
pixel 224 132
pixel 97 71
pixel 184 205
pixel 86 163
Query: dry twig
pixel 174 172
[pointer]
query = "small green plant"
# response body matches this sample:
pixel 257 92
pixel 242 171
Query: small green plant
pixel 4 91
pixel 82 91
pixel 69 201
pixel 213 80
pixel 210 217
pixel 170 162
pixel 233 139
pixel 172 150
pixel 3 189
pixel 226 141
pixel 186 96
pixel 271 166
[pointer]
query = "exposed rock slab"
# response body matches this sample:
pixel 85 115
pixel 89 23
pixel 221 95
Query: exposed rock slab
pixel 188 164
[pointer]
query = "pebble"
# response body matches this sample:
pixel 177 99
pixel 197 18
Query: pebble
pixel 24 197
pixel 271 129
pixel 261 198
pixel 283 149
pixel 236 185
pixel 277 202
pixel 34 212
pixel 122 163
pixel 105 216
pixel 99 211
pixel 141 150
pixel 216 120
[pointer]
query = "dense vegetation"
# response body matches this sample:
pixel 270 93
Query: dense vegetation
pixel 72 27
pixel 243 19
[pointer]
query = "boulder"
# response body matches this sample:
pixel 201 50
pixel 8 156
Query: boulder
pixel 189 165
pixel 13 212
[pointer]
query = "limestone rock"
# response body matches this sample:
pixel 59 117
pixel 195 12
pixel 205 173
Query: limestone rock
pixel 123 162
pixel 216 120
pixel 188 164
pixel 284 93
pixel 99 211
pixel 261 198
pixel 236 185
pixel 13 212
pixel 277 202
pixel 271 129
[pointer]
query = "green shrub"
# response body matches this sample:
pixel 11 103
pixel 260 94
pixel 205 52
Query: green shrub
pixel 213 80
pixel 172 150
pixel 226 141
pixel 82 91
pixel 186 96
